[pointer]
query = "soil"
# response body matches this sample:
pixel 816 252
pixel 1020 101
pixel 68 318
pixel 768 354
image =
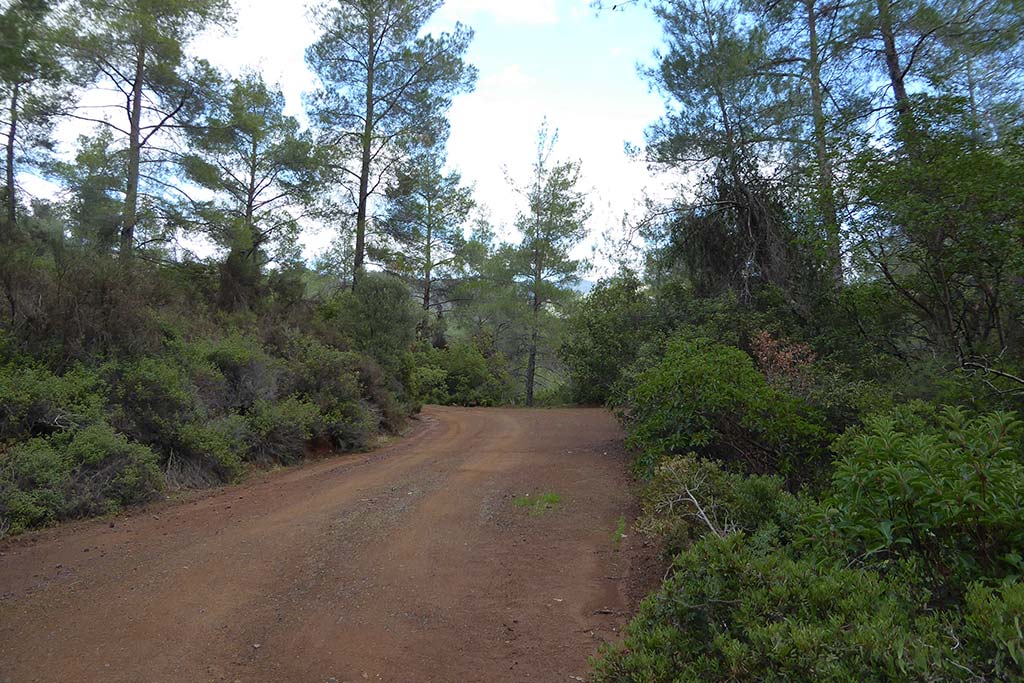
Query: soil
pixel 411 563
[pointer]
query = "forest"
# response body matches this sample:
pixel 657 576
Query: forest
pixel 816 348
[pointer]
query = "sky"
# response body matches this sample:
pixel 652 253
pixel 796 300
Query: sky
pixel 558 59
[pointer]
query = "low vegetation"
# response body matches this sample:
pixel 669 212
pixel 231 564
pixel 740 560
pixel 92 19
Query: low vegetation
pixel 821 521
pixel 538 504
pixel 818 359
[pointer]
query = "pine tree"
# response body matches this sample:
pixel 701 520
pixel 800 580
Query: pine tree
pixel 424 222
pixel 33 81
pixel 139 48
pixel 553 223
pixel 265 173
pixel 385 91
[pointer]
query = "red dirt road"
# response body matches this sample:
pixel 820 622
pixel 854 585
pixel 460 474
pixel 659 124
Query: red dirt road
pixel 407 564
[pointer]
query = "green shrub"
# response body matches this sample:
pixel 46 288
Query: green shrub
pixel 429 384
pixel 36 402
pixel 689 497
pixel 379 317
pixel 604 333
pixel 949 494
pixel 33 476
pixel 156 397
pixel 459 374
pixel 330 379
pixel 251 374
pixel 468 377
pixel 279 432
pixel 907 571
pixel 843 400
pixel 710 399
pixel 323 374
pixel 215 447
pixel 381 390
pixel 994 630
pixel 350 426
pixel 109 472
pixel 93 471
pixel 733 611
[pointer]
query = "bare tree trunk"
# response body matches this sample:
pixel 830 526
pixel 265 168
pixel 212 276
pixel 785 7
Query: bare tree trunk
pixel 428 266
pixel 892 59
pixel 531 363
pixel 365 158
pixel 11 199
pixel 131 195
pixel 826 189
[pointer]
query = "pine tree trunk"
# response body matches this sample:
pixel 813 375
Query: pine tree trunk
pixel 531 364
pixel 428 262
pixel 11 198
pixel 365 158
pixel 131 195
pixel 892 59
pixel 826 189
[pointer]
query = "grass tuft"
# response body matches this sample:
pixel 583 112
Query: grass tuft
pixel 539 504
pixel 620 532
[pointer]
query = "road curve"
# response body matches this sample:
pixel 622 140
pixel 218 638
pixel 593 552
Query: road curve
pixel 408 564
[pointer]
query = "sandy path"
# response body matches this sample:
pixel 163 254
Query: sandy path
pixel 406 564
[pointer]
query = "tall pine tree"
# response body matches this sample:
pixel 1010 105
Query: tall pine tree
pixel 385 91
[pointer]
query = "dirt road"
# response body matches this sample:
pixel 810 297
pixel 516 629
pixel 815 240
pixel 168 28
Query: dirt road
pixel 411 564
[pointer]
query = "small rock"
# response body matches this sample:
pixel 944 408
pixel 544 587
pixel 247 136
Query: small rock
pixel 255 646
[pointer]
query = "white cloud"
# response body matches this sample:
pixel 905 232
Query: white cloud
pixel 503 11
pixel 270 37
pixel 494 135
pixel 511 77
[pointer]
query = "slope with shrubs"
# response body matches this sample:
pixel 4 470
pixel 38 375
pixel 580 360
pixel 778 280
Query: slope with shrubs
pixel 820 524
pixel 93 418
pixel 121 382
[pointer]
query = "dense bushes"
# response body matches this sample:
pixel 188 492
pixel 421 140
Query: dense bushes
pixel 34 401
pixel 825 519
pixel 905 569
pixel 88 425
pixel 733 611
pixel 709 398
pixel 947 495
pixel 689 497
pixel 603 337
pixel 279 431
pixel 460 374
pixel 92 471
